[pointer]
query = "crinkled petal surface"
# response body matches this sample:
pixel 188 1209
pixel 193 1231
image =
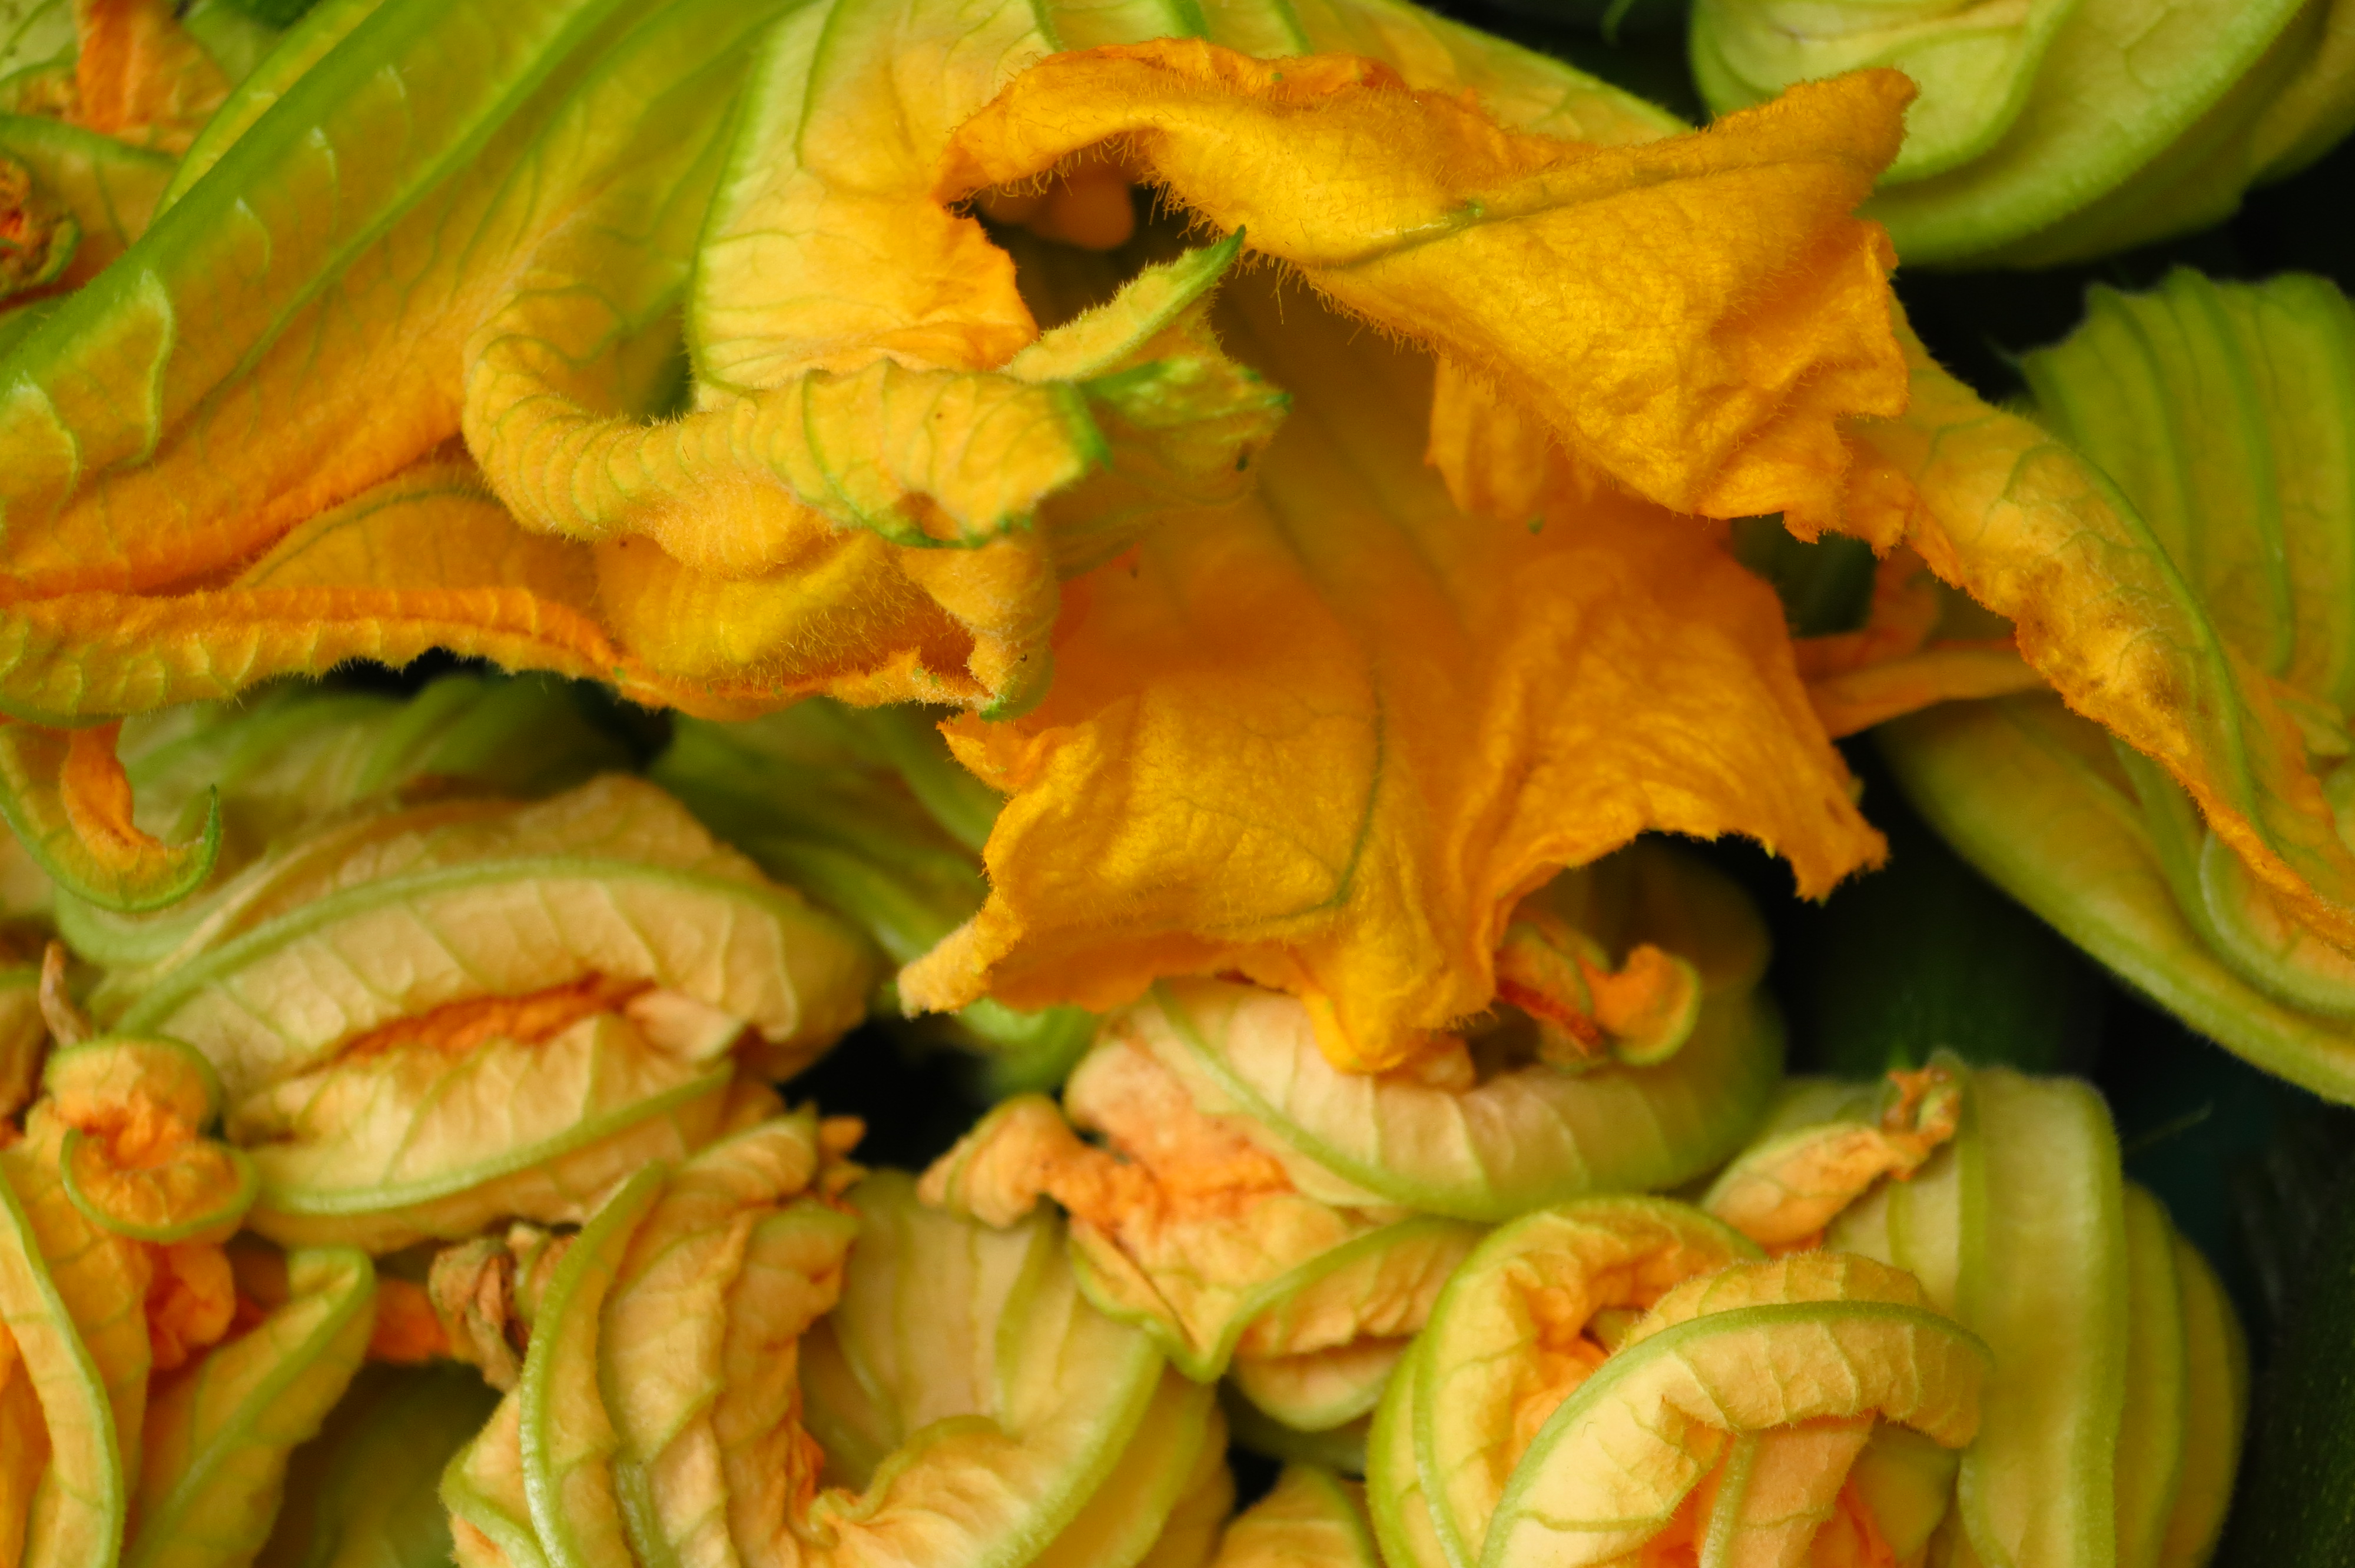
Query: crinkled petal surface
pixel 2125 632
pixel 219 1433
pixel 1684 315
pixel 859 492
pixel 1327 737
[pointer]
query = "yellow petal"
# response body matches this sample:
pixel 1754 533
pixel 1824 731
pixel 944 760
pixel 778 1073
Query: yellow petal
pixel 1896 663
pixel 67 797
pixel 1686 316
pixel 2040 536
pixel 1328 737
pixel 428 560
pixel 347 357
pixel 867 488
pixel 139 75
pixel 1782 1192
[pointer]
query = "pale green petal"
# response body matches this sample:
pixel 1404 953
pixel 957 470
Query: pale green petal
pixel 451 903
pixel 364 1493
pixel 219 1431
pixel 2057 131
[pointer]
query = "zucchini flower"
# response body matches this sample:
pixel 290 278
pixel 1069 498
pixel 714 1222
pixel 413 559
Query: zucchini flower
pixel 1616 1380
pixel 894 443
pixel 432 1018
pixel 2112 1421
pixel 2058 130
pixel 730 1360
pixel 2201 848
pixel 1271 1219
pixel 767 370
pixel 151 1385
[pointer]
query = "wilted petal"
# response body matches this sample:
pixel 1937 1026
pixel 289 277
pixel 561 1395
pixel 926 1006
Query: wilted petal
pixel 68 800
pixel 1530 258
pixel 2121 628
pixel 1898 663
pixel 1304 800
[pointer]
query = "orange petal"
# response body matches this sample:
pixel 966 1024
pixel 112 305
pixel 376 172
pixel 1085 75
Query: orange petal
pixel 2038 535
pixel 1687 316
pixel 139 75
pixel 70 802
pixel 1328 737
pixel 428 560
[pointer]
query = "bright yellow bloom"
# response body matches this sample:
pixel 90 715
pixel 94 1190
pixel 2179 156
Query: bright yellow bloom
pixel 1311 613
pixel 1327 737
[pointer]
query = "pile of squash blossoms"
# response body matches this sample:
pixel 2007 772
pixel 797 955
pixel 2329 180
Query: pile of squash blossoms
pixel 1191 552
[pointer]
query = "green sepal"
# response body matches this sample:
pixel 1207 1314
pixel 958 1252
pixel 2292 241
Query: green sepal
pixel 363 1494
